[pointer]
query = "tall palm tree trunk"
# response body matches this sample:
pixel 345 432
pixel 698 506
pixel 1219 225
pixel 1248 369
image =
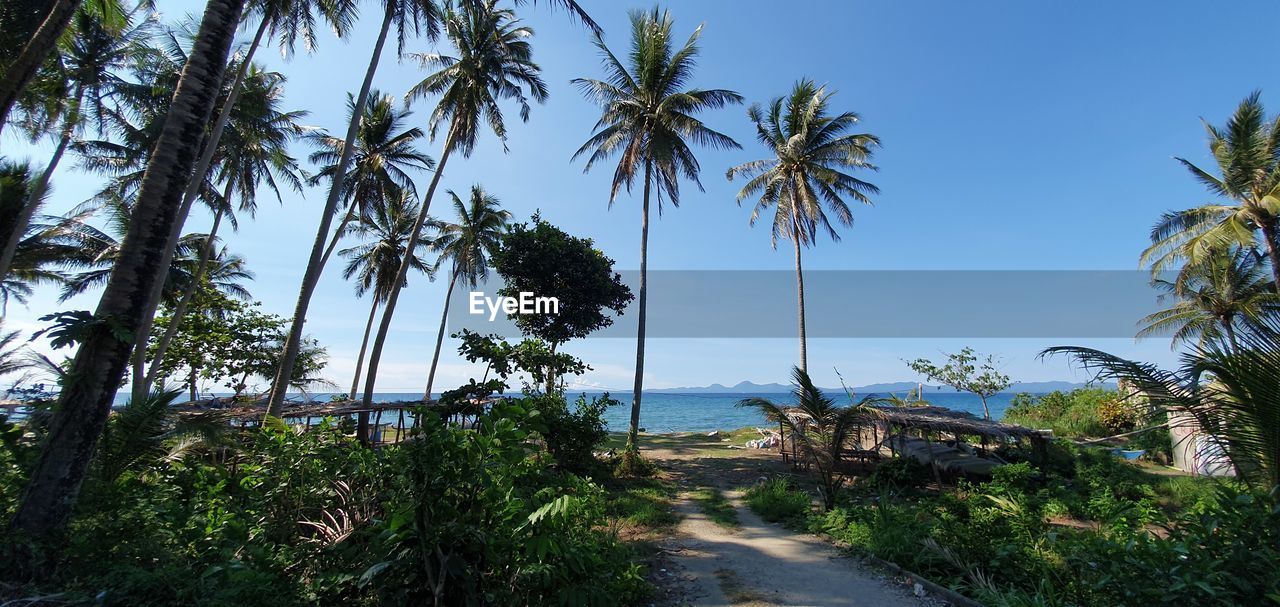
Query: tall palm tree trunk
pixel 1272 237
pixel 24 67
pixel 389 309
pixel 41 185
pixel 180 310
pixel 315 264
pixel 1228 326
pixel 141 384
pixel 364 343
pixel 337 236
pixel 804 350
pixel 633 431
pixel 444 317
pixel 99 363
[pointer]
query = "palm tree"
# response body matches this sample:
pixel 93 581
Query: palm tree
pixel 379 169
pixel 415 15
pixel 803 180
pixel 252 151
pixel 87 72
pixel 1213 297
pixel 1232 393
pixel 649 120
pixel 100 251
pixel 99 363
pixel 29 42
pixel 375 262
pixel 466 246
pixel 1247 152
pixel 820 428
pixel 494 62
pixel 38 254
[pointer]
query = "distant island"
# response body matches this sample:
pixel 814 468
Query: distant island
pixel 747 387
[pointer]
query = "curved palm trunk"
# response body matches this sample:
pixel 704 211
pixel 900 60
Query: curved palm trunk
pixel 1271 235
pixel 180 310
pixel 40 186
pixel 444 317
pixel 804 349
pixel 19 73
pixel 315 265
pixel 389 310
pixel 141 385
pixel 364 343
pixel 633 431
pixel 99 363
pixel 1228 326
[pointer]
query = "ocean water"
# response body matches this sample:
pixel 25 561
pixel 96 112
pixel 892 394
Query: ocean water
pixel 664 412
pixel 667 412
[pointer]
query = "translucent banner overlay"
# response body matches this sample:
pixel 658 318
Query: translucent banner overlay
pixel 868 304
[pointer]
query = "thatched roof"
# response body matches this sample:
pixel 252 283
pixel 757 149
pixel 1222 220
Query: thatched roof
pixel 234 411
pixel 941 419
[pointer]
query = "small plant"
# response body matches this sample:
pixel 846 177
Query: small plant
pixel 634 465
pixel 776 501
pixel 899 473
pixel 713 504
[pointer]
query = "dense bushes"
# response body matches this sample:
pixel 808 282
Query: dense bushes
pixel 458 516
pixel 1068 414
pixel 1099 532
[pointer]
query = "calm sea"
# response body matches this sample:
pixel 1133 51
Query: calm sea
pixel 664 412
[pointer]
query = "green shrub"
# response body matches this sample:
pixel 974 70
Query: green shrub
pixel 1069 414
pixel 573 436
pixel 777 501
pixel 899 473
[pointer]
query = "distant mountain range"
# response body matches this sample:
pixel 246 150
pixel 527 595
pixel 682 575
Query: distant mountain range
pixel 747 387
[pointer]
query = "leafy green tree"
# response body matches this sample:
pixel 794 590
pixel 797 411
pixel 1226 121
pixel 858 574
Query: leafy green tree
pixel 494 62
pixel 806 176
pixel 227 342
pixel 374 263
pixel 465 246
pixel 1214 298
pixel 648 120
pixel 100 361
pixel 1247 152
pixel 542 259
pixel 966 372
pixel 409 17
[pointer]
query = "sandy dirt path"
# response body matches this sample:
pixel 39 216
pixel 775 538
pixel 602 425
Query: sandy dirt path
pixel 761 564
pixel 757 564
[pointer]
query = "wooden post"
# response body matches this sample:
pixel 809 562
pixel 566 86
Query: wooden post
pixel 933 463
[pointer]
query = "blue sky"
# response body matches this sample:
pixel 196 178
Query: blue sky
pixel 1017 135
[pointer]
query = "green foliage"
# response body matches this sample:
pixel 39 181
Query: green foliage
pixel 477 520
pixel 821 429
pixel 716 507
pixel 967 372
pixel 547 262
pixel 776 501
pixel 641 502
pixel 1078 413
pixel 1009 541
pixel 316 518
pixel 531 356
pixel 899 473
pixel 224 340
pixel 572 436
